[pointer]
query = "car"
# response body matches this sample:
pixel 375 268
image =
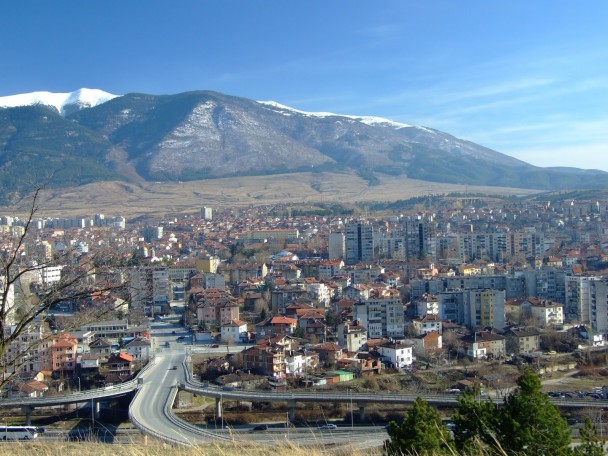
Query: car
pixel 173 368
pixel 215 346
pixel 328 427
pixel 260 427
pixel 454 391
pixel 172 332
pixel 181 338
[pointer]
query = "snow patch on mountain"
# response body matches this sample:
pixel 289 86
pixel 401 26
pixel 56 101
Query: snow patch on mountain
pixel 368 120
pixel 85 98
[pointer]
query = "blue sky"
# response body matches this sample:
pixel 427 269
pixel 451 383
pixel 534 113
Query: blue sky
pixel 529 79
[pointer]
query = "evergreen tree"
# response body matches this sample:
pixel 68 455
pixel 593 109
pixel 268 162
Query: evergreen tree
pixel 474 421
pixel 421 432
pixel 528 423
pixel 591 443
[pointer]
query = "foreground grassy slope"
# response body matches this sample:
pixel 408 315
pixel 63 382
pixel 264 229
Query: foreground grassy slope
pixel 158 449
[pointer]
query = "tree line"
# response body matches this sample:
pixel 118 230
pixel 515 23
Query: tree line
pixel 527 423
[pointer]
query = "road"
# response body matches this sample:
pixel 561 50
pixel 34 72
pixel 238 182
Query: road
pixel 151 412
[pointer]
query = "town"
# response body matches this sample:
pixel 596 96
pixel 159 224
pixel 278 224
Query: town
pixel 293 297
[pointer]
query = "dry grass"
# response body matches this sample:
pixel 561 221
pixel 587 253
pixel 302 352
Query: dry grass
pixel 187 197
pixel 159 449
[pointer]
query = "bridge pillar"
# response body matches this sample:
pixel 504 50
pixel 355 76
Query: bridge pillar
pixel 96 409
pixel 361 413
pixel 27 411
pixel 218 407
pixel 292 410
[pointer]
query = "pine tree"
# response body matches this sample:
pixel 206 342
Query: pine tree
pixel 528 423
pixel 474 421
pixel 421 432
pixel 591 443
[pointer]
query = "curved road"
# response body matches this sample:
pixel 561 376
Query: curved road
pixel 151 412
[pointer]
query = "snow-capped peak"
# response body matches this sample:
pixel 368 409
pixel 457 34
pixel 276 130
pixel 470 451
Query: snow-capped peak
pixel 83 97
pixel 368 120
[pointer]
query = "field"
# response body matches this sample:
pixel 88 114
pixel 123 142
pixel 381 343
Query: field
pixel 154 448
pixel 130 200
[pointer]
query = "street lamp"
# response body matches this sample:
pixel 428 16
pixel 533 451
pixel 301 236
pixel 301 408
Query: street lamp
pixel 352 420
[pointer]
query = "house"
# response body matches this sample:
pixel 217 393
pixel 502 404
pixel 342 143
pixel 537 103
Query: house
pixel 100 347
pixel 429 342
pixel 234 331
pixel 352 336
pixel 119 365
pixel 427 323
pixel 29 389
pixel 139 349
pixel 88 361
pixel 283 325
pixel 543 311
pixel 63 354
pixel 397 355
pixel 523 340
pixel 329 353
pixel 313 329
pixel 485 344
pixel 265 360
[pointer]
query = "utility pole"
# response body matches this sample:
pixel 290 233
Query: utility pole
pixel 352 420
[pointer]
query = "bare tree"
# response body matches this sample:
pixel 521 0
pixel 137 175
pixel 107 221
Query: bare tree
pixel 89 282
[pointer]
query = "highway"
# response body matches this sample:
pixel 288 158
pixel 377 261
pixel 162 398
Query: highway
pixel 150 410
pixel 157 386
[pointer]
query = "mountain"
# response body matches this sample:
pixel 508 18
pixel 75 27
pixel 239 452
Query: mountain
pixel 65 103
pixel 89 136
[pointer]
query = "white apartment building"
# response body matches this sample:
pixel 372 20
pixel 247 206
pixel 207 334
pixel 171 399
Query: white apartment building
pixel 383 317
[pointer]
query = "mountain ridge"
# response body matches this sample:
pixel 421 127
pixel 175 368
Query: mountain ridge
pixel 205 134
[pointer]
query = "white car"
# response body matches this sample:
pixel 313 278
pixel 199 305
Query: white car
pixel 328 426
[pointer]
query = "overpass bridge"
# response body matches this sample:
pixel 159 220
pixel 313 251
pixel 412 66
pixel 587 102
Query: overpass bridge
pixel 360 399
pixel 94 396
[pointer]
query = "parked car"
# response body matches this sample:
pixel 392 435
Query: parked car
pixel 181 338
pixel 215 346
pixel 328 427
pixel 260 427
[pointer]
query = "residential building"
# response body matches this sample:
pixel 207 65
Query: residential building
pixel 336 246
pixel 234 332
pixel 577 306
pixel 383 317
pixel 523 340
pixel 214 307
pixel 359 241
pixel 420 240
pixel 397 355
pixel 485 344
pixel 426 324
pixel 352 336
pixel 206 213
pixel 486 309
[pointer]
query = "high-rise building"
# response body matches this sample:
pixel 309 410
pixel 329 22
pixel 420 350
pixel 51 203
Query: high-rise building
pixel 336 246
pixel 420 240
pixel 206 213
pixel 599 305
pixel 577 306
pixel 359 242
